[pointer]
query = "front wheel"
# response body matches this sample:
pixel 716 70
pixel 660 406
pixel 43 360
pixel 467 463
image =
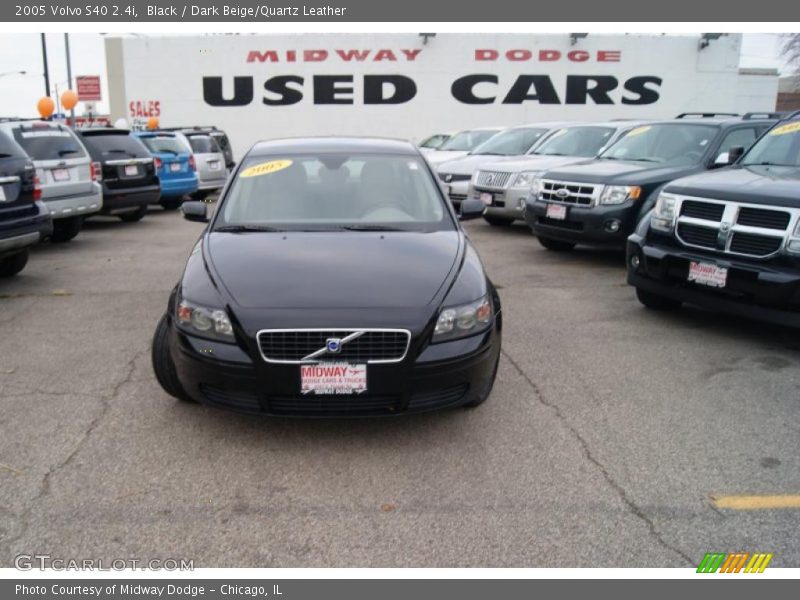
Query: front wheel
pixel 556 245
pixel 163 366
pixel 66 229
pixel 656 302
pixel 133 216
pixel 498 221
pixel 11 265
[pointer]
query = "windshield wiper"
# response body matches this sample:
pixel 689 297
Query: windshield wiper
pixel 247 228
pixel 371 228
pixel 66 151
pixel 766 163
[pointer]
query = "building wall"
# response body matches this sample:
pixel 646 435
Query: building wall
pixel 525 78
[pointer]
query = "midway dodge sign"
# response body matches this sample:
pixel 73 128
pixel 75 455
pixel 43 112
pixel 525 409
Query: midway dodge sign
pixel 409 85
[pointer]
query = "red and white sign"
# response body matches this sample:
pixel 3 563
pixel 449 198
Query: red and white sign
pixel 333 378
pixel 88 88
pixel 708 274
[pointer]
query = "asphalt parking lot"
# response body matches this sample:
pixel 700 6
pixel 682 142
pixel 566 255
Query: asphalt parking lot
pixel 609 430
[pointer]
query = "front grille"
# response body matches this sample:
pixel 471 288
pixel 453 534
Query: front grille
pixel 296 345
pixel 568 193
pixel 702 210
pixel 492 179
pixel 438 399
pixel 236 400
pixel 697 235
pixel 334 405
pixel 760 217
pixel 754 245
pixel 457 198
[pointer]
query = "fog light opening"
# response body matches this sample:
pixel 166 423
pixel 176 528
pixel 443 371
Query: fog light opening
pixel 635 261
pixel 613 225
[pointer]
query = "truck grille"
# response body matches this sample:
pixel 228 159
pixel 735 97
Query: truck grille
pixel 307 346
pixel 492 179
pixel 733 227
pixel 569 193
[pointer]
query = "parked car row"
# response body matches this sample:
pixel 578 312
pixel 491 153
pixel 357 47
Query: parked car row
pixel 707 205
pixel 52 177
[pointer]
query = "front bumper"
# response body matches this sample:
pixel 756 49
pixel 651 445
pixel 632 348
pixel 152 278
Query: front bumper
pixel 125 200
pixel 584 224
pixel 508 203
pixel 768 291
pixel 31 226
pixel 443 375
pixel 63 207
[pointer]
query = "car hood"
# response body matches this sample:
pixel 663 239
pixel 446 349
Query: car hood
pixel 437 157
pixel 466 165
pixel 533 163
pixel 620 172
pixel 758 184
pixel 333 270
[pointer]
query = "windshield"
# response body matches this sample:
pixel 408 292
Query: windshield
pixel 781 146
pixel 467 140
pixel 48 143
pixel 166 144
pixel 113 146
pixel 667 143
pixel 203 144
pixel 334 191
pixel 511 142
pixel 576 141
pixel 434 141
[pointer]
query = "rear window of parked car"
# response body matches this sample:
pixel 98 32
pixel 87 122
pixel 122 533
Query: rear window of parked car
pixel 111 146
pixel 202 144
pixel 165 143
pixel 9 148
pixel 49 143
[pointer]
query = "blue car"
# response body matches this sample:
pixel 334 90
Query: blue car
pixel 175 165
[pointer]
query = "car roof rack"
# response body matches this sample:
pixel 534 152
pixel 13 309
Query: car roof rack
pixel 764 115
pixel 791 115
pixel 705 115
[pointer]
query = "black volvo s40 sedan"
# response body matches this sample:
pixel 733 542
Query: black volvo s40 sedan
pixel 333 279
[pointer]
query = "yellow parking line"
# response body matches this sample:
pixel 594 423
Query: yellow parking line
pixel 757 502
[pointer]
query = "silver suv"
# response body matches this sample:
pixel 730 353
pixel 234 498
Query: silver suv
pixel 504 185
pixel 212 171
pixel 67 177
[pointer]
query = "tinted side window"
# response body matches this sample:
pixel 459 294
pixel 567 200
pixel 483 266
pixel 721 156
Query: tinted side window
pixel 9 148
pixel 743 137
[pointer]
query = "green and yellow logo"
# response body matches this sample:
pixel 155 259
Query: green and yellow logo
pixel 720 562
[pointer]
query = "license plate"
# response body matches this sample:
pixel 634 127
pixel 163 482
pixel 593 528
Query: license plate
pixel 557 212
pixel 486 198
pixel 61 174
pixel 214 166
pixel 2 194
pixel 708 274
pixel 131 170
pixel 175 167
pixel 333 378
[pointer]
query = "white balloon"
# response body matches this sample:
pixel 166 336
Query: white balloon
pixel 121 123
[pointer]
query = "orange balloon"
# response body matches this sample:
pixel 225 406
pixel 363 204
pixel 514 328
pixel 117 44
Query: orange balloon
pixel 45 106
pixel 152 123
pixel 69 99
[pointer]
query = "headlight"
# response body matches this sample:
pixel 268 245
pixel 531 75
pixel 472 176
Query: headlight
pixel 205 322
pixel 525 179
pixel 536 188
pixel 793 245
pixel 663 218
pixel 462 321
pixel 617 194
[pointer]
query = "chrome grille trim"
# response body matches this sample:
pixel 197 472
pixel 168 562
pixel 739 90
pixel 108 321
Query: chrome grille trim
pixel 727 226
pixel 493 180
pixel 578 193
pixel 341 332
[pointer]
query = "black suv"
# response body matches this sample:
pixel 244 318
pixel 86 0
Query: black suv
pixel 129 176
pixel 728 240
pixel 600 201
pixel 220 136
pixel 24 219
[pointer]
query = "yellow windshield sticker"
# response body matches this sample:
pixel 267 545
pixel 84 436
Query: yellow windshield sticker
pixel 639 130
pixel 784 129
pixel 265 168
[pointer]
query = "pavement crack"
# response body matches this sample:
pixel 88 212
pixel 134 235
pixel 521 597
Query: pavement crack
pixel 105 405
pixel 632 507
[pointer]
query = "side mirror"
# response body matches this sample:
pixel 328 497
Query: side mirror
pixel 195 210
pixel 722 160
pixel 735 153
pixel 471 208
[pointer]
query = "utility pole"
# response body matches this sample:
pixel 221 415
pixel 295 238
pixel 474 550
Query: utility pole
pixel 46 71
pixel 69 76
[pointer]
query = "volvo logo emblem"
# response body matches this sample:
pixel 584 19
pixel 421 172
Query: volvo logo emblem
pixel 333 345
pixel 562 192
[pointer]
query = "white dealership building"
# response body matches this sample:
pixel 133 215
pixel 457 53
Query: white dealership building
pixel 411 85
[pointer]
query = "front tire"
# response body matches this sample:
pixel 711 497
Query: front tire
pixel 555 245
pixel 656 302
pixel 163 366
pixel 498 221
pixel 66 229
pixel 11 265
pixel 133 216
